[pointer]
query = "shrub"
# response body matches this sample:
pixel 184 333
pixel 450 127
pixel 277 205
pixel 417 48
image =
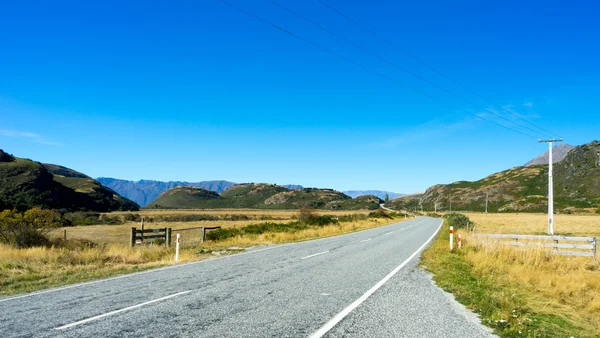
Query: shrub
pixel 598 210
pixel 306 213
pixel 29 228
pixel 321 220
pixel 131 217
pixel 352 218
pixel 221 234
pixel 379 213
pixel 458 221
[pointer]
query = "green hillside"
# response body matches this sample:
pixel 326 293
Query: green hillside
pixel 186 198
pixel 25 184
pixel 251 195
pixel 262 196
pixel 576 185
pixel 369 202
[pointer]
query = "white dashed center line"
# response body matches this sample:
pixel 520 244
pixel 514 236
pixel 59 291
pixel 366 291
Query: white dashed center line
pixel 313 255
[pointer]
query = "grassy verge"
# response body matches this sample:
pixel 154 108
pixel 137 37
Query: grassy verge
pixel 80 259
pixel 520 293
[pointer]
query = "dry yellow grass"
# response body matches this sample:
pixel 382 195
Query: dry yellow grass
pixel 561 292
pixel 558 285
pixel 581 225
pixel 23 270
pixel 120 233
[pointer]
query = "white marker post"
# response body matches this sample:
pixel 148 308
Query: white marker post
pixel 177 247
pixel 459 241
pixel 451 237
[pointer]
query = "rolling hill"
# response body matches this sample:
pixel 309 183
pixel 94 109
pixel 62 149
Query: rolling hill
pixel 185 198
pixel 521 189
pixel 144 192
pixel 25 184
pixel 262 196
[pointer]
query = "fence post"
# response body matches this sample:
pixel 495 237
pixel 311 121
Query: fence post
pixel 451 237
pixel 65 237
pixel 177 247
pixel 459 241
pixel 132 238
pixel 168 236
pixel 203 235
pixel 142 230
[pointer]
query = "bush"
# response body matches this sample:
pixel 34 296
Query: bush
pixel 222 234
pixel 132 218
pixel 29 228
pixel 321 220
pixel 379 213
pixel 89 218
pixel 352 218
pixel 307 213
pixel 458 221
pixel 598 210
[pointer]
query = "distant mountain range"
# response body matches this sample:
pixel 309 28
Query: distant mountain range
pixel 144 192
pixel 558 154
pixel 379 193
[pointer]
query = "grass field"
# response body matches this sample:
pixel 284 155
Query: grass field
pixel 522 293
pixel 580 225
pixel 103 250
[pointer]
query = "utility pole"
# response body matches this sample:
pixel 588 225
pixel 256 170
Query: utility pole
pixel 550 185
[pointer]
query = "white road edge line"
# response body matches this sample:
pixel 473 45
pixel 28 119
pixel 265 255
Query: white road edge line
pixel 313 255
pixel 64 327
pixel 366 240
pixel 341 315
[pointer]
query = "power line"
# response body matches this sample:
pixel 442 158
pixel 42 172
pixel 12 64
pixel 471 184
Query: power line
pixel 400 67
pixel 431 67
pixel 370 69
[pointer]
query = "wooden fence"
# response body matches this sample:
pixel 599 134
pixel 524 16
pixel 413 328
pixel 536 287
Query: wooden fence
pixel 583 246
pixel 138 236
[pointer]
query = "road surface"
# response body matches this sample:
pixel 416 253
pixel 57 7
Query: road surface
pixel 363 284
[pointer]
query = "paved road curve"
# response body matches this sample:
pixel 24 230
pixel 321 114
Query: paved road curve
pixel 363 284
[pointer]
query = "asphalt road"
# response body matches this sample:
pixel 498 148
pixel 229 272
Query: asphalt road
pixel 363 284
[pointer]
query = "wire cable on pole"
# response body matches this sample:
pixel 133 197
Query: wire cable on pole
pixel 402 50
pixel 372 70
pixel 401 68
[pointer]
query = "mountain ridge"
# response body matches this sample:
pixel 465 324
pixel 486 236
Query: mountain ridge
pixel 558 154
pixel 25 184
pixel 520 189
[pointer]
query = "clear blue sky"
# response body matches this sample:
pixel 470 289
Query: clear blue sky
pixel 199 91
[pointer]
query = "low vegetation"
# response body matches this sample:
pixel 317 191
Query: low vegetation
pixel 520 293
pixel 29 228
